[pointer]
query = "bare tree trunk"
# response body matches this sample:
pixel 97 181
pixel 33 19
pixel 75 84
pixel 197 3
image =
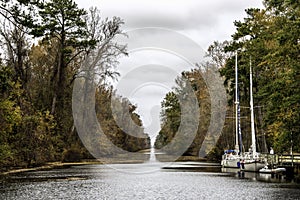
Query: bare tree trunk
pixel 53 104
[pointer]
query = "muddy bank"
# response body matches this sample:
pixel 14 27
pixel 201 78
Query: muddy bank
pixel 50 165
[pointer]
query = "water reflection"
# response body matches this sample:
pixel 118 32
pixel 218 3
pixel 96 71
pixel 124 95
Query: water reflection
pixel 103 182
pixel 270 178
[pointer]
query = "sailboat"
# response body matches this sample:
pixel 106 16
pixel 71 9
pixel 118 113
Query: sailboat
pixel 232 158
pixel 248 161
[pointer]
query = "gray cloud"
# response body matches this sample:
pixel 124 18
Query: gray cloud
pixel 203 21
pixel 147 74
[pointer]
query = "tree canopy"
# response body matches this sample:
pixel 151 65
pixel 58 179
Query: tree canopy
pixel 270 38
pixel 45 43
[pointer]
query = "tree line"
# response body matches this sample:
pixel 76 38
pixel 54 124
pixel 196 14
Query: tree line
pixel 269 39
pixel 43 46
pixel 172 114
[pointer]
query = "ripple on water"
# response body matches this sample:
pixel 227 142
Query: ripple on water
pixel 102 182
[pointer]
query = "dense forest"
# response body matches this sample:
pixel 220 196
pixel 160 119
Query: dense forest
pixel 171 114
pixel 43 46
pixel 269 40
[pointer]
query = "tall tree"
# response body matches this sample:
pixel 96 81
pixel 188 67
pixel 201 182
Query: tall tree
pixel 270 38
pixel 172 114
pixel 62 20
pixel 10 115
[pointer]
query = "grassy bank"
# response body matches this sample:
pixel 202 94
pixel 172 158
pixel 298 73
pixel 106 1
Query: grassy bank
pixel 50 165
pixel 191 158
pixel 117 159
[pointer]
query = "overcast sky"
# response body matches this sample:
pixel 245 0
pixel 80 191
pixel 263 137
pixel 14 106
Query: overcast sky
pixel 203 21
pixel 149 73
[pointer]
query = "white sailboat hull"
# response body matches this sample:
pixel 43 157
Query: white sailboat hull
pixel 230 163
pixel 254 166
pixel 247 165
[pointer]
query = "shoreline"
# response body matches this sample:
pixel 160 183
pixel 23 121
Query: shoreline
pixel 59 164
pixel 48 166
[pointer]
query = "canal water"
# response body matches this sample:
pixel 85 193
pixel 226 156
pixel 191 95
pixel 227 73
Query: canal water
pixel 151 180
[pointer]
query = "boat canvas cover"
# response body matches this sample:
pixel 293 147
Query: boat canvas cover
pixel 229 151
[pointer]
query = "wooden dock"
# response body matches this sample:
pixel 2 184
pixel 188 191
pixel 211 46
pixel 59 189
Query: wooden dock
pixel 289 161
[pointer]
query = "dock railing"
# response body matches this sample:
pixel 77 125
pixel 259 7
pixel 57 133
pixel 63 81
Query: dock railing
pixel 289 160
pixel 281 159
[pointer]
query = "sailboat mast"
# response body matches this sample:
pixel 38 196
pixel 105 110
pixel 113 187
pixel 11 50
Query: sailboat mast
pixel 238 137
pixel 252 114
pixel 236 105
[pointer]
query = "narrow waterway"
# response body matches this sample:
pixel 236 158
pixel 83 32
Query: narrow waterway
pixel 141 181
